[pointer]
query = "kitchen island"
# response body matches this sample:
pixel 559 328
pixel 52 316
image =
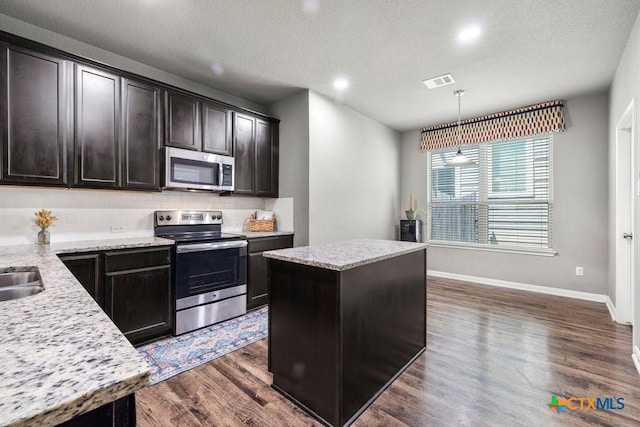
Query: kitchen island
pixel 345 319
pixel 61 355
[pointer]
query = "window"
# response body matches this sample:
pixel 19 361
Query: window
pixel 503 200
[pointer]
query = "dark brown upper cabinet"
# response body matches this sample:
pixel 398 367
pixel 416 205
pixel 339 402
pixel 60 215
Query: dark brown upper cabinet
pixel 97 137
pixel 34 117
pixel 244 142
pixel 182 121
pixel 68 121
pixel 256 154
pixel 197 125
pixel 142 135
pixel 266 163
pixel 216 129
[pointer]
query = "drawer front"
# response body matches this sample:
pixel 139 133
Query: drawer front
pixel 208 314
pixel 136 258
pixel 262 244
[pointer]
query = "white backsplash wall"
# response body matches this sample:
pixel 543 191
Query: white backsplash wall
pixel 90 214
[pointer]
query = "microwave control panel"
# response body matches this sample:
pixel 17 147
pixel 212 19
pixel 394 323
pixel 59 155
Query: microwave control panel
pixel 227 175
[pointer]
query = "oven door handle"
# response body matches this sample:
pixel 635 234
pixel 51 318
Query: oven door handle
pixel 201 247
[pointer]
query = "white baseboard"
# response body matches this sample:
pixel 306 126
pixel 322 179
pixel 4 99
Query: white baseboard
pixel 636 357
pixel 525 287
pixel 611 307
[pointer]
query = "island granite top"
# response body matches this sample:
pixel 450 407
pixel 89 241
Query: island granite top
pixel 345 255
pixel 61 355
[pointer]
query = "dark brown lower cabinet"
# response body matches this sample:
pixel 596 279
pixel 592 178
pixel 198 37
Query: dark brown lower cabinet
pixel 133 286
pixel 257 287
pixel 138 303
pixel 86 268
pixel 137 288
pixel 120 413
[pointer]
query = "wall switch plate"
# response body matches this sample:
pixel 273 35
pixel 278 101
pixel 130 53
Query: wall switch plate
pixel 579 271
pixel 118 228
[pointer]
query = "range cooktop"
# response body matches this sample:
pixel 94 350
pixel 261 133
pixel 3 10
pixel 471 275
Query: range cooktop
pixel 192 226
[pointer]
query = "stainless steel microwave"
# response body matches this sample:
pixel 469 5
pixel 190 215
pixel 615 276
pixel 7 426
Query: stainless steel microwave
pixel 186 169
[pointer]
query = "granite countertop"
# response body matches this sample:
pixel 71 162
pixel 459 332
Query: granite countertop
pixel 106 244
pixel 256 234
pixel 345 255
pixel 61 355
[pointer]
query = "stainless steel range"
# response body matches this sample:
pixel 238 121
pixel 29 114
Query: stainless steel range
pixel 210 268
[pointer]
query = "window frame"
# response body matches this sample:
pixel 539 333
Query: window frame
pixel 491 199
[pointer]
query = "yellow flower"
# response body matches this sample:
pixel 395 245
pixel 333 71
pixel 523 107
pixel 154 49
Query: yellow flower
pixel 44 218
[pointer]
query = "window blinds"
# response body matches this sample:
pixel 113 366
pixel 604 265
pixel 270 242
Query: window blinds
pixel 504 199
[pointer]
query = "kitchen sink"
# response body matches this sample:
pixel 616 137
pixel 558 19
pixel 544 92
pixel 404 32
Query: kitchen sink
pixel 19 284
pixel 19 291
pixel 18 278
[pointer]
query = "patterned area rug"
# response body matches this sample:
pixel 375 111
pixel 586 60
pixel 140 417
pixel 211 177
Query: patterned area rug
pixel 174 355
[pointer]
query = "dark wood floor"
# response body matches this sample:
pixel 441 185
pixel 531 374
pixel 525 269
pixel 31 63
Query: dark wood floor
pixel 494 357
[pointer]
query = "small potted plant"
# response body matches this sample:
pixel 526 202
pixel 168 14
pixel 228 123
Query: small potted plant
pixel 44 219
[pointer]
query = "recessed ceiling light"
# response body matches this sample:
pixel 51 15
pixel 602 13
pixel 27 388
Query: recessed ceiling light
pixel 469 33
pixel 310 6
pixel 340 84
pixel 217 68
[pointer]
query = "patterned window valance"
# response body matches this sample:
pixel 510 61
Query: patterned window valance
pixel 526 121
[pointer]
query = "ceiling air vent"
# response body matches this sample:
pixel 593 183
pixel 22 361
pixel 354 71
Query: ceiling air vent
pixel 435 82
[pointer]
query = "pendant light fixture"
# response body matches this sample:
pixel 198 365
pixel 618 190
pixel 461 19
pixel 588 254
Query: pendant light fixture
pixel 459 159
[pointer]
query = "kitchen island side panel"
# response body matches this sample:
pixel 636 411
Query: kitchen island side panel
pixel 304 335
pixel 339 338
pixel 383 325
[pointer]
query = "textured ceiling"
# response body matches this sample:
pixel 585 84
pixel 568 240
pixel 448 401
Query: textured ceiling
pixel 263 51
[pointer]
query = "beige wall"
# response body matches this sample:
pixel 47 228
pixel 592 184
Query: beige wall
pixel 294 159
pixel 580 214
pixel 413 175
pixel 624 89
pixel 354 175
pixel 340 167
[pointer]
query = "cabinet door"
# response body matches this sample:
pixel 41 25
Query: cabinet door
pixel 266 166
pixel 33 116
pixel 97 137
pixel 141 135
pixel 257 292
pixel 257 283
pixel 181 121
pixel 216 129
pixel 244 153
pixel 121 413
pixel 139 302
pixel 86 268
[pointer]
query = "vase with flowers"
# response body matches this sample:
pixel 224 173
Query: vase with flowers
pixel 44 219
pixel 411 213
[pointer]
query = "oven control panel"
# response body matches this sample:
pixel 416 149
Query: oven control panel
pixel 187 217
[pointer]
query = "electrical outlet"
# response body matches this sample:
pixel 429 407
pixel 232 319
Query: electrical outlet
pixel 118 229
pixel 579 271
